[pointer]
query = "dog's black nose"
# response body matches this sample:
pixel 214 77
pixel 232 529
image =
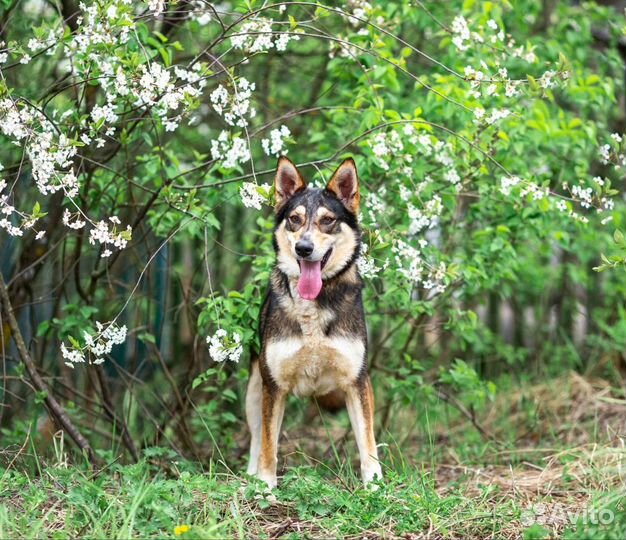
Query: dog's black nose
pixel 304 248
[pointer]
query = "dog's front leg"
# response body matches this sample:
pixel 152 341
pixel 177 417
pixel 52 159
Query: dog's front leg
pixel 273 408
pixel 254 401
pixel 360 404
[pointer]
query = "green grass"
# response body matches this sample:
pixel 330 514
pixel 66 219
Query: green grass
pixel 556 465
pixel 137 501
pixel 140 501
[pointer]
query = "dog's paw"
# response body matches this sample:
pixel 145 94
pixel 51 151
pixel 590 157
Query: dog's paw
pixel 268 478
pixel 371 472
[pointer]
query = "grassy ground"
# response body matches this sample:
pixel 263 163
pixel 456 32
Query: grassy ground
pixel 555 469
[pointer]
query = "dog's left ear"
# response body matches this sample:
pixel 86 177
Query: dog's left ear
pixel 345 185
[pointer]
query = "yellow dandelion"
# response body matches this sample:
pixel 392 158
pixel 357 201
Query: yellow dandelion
pixel 180 529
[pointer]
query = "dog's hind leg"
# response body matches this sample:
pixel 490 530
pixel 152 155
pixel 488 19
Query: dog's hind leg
pixel 254 399
pixel 272 418
pixel 360 404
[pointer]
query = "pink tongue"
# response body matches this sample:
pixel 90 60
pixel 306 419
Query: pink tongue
pixel 310 282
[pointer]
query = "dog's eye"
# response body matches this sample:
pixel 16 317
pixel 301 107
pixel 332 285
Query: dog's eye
pixel 295 220
pixel 327 220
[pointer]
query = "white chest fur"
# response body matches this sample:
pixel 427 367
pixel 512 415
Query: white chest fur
pixel 314 363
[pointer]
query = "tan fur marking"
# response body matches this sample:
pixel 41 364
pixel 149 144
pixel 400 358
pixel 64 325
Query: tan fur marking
pixel 343 248
pixel 323 211
pixel 351 276
pixel 367 399
pixel 273 408
pixel 286 259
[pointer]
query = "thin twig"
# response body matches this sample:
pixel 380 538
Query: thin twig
pixel 471 416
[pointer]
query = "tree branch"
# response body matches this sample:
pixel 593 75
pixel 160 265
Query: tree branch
pixel 54 407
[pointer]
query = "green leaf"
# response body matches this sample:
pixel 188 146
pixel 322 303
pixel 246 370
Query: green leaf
pixel 321 12
pixel 42 328
pixel 574 123
pixel 147 337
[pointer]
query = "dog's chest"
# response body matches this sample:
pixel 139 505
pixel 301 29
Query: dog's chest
pixel 314 363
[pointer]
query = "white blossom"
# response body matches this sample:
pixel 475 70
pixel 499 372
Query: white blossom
pixel 384 145
pixel 452 176
pixel 496 115
pixel 461 33
pixel 250 196
pixel 583 194
pixel 104 113
pixel 374 202
pixel 510 89
pixel 547 79
pixel 109 237
pixel 230 150
pixel 222 348
pixel 72 356
pixel 425 217
pixel 76 223
pixel 274 145
pixel 97 344
pixel 201 13
pixel 49 153
pixel 257 36
pixel 156 6
pixel 605 152
pixel 479 113
pixel 366 264
pixel 507 183
pixel 235 108
pixel 360 11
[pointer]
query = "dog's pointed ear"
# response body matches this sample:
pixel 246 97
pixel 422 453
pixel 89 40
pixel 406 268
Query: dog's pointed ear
pixel 287 182
pixel 345 185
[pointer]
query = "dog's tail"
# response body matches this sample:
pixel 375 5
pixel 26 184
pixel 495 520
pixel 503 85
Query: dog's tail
pixel 332 402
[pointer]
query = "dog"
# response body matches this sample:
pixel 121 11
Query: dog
pixel 312 323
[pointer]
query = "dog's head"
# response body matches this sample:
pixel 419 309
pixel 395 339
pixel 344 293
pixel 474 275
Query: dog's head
pixel 317 234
